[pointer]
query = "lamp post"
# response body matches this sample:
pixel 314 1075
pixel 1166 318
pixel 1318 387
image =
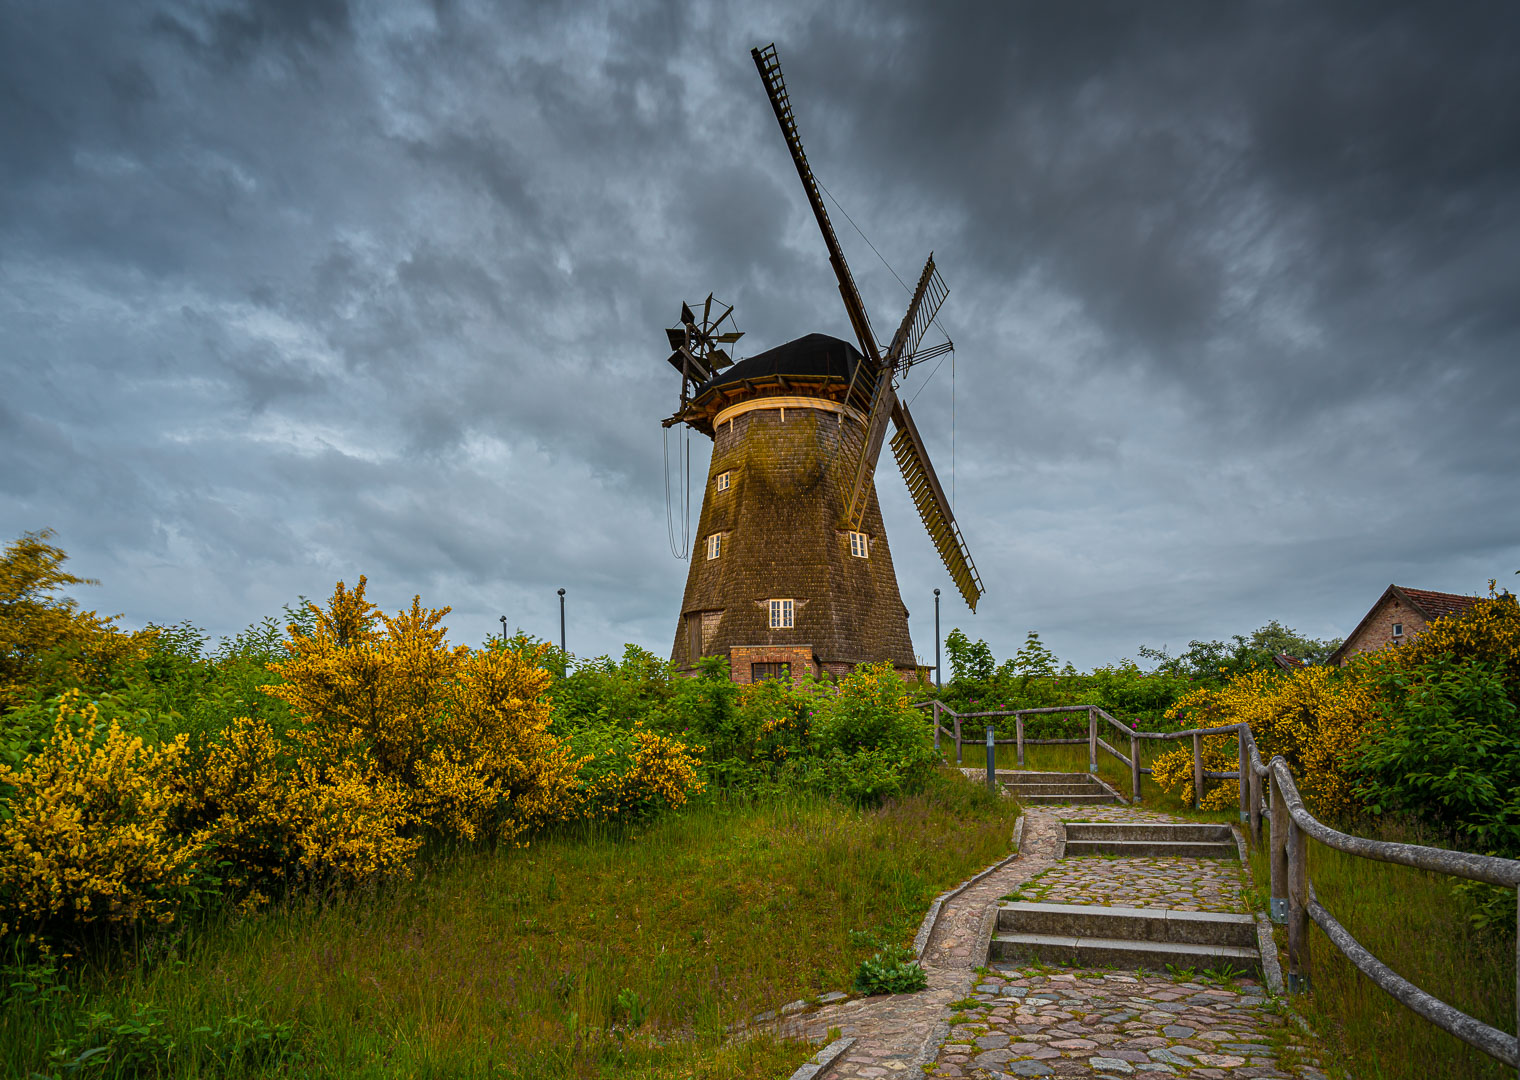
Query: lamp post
pixel 504 631
pixel 562 623
pixel 937 681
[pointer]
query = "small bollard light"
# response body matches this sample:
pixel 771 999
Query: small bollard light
pixel 991 765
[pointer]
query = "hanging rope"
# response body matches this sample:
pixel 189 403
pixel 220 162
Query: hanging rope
pixel 681 550
pixel 906 287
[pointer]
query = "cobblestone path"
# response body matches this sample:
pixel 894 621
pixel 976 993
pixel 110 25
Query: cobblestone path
pixel 1014 1021
pixel 1164 881
pixel 1029 1022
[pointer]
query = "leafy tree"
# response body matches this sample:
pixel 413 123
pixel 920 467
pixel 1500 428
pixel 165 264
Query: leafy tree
pixel 1034 659
pixel 47 643
pixel 1215 661
pixel 968 660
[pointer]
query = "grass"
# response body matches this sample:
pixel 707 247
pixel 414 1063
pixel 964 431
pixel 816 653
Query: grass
pixel 590 954
pixel 1411 921
pixel 1072 758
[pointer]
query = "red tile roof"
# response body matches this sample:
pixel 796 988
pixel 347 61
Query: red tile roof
pixel 1431 605
pixel 1434 605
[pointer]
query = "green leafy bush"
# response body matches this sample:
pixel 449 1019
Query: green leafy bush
pixel 893 970
pixel 1448 754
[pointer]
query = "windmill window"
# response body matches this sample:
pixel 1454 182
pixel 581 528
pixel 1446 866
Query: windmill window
pixel 860 545
pixel 714 545
pixel 1398 629
pixel 781 614
pixel 723 481
pixel 759 672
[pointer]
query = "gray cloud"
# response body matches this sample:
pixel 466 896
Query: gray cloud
pixel 290 292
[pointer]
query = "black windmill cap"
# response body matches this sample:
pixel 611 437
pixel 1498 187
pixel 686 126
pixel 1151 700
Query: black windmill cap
pixel 816 356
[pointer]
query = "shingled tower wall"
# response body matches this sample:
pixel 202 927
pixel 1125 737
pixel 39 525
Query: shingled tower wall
pixel 784 442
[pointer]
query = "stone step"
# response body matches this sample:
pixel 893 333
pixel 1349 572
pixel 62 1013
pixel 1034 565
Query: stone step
pixel 1121 953
pixel 1193 832
pixel 1077 800
pixel 1021 775
pixel 1150 848
pixel 1157 925
pixel 1022 788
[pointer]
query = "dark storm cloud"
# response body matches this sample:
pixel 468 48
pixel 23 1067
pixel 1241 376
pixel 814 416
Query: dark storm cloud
pixel 293 291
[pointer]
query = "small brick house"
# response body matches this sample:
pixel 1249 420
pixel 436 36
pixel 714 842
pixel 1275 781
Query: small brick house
pixel 1400 615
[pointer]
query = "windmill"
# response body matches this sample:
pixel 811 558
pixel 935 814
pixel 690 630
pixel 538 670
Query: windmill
pixel 792 572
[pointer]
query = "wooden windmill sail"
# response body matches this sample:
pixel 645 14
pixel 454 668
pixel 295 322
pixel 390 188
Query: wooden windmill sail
pixel 792 571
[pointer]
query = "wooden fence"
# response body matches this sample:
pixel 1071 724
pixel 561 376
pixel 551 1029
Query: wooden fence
pixel 1269 789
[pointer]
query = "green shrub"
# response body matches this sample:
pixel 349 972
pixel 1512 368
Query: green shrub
pixel 893 970
pixel 1448 753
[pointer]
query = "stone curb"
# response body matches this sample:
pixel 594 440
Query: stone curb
pixel 819 1065
pixel 1106 786
pixel 1240 846
pixel 791 1008
pixel 1271 968
pixel 926 928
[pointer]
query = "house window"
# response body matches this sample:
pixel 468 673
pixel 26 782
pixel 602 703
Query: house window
pixel 781 614
pixel 714 545
pixel 758 672
pixel 860 547
pixel 1398 629
pixel 723 481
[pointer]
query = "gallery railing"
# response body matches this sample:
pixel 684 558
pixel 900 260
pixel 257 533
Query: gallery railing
pixel 1271 787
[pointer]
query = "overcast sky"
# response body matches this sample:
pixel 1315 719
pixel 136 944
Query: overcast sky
pixel 291 292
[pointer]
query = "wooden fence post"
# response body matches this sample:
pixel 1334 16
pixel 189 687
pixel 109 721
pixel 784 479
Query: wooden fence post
pixel 1134 770
pixel 1018 735
pixel 1197 771
pixel 935 708
pixel 1298 909
pixel 1278 849
pixel 1092 740
pixel 1255 805
pixel 1245 767
pixel 957 740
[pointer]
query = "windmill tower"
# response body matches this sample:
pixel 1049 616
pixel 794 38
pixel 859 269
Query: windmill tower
pixel 791 572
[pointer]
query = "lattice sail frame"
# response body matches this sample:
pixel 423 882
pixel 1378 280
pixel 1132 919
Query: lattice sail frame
pixel 875 395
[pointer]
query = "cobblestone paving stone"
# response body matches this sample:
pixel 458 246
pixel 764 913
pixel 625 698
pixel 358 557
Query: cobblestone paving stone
pixel 1111 1017
pixel 1162 881
pixel 1023 1021
pixel 1122 814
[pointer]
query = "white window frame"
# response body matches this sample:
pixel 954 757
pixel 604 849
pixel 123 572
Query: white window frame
pixel 1398 629
pixel 714 545
pixel 860 545
pixel 782 614
pixel 723 481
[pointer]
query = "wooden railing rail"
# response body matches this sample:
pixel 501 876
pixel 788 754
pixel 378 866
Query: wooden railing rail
pixel 1271 787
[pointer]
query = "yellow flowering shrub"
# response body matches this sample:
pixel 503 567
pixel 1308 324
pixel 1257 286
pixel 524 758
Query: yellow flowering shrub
pixel 1487 631
pixel 464 733
pixel 1313 716
pixel 633 774
pixel 272 815
pixel 349 821
pixel 89 834
pixel 1173 771
pixel 784 713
